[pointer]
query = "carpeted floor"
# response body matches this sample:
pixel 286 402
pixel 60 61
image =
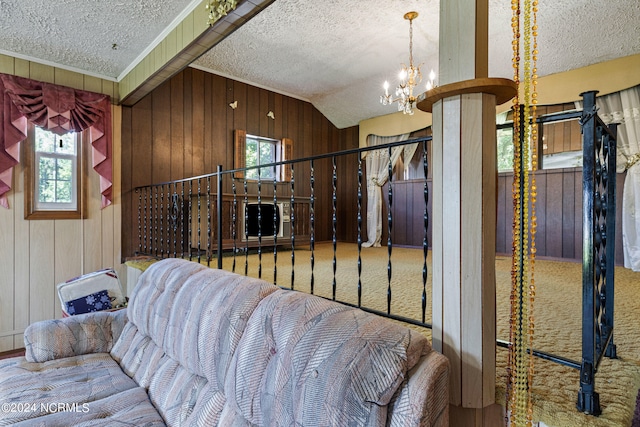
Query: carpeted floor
pixel 557 312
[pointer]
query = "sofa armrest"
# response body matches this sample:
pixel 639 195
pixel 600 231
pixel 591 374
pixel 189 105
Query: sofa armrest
pixel 423 399
pixel 73 336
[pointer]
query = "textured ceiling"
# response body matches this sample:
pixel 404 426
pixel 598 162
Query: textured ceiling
pixel 79 34
pixel 333 53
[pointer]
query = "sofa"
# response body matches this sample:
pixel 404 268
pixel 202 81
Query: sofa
pixel 204 347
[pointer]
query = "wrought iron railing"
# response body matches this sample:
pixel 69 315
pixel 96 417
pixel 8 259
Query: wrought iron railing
pixel 598 250
pixel 176 219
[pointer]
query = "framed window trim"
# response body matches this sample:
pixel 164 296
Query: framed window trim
pixel 31 210
pixel 284 151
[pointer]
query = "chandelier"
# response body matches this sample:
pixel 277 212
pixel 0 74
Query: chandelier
pixel 410 77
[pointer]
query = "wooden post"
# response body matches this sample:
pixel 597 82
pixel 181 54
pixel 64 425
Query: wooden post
pixel 464 210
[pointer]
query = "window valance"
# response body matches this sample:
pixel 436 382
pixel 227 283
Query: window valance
pixel 59 109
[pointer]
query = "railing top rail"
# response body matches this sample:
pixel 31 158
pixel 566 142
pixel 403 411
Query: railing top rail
pixel 358 150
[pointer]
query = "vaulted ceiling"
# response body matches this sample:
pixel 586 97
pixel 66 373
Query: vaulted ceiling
pixel 334 54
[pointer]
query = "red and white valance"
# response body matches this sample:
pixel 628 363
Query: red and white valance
pixel 59 109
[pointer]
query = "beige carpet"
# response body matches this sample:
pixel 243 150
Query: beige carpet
pixel 557 312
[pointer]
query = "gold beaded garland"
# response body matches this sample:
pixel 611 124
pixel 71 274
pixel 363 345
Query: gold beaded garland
pixel 520 367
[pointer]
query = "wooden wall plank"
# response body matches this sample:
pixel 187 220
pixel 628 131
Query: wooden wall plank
pixel 188 122
pixel 208 155
pixel 263 109
pixel 252 111
pixel 41 72
pixel 41 273
pixel 7 64
pixel 69 79
pixel 7 278
pixel 177 126
pixel 541 205
pixel 198 123
pixel 554 214
pixel 129 231
pixel 92 225
pixel 568 210
pixel 21 258
pixel 400 213
pixel 67 255
pixel 221 151
pixel 161 125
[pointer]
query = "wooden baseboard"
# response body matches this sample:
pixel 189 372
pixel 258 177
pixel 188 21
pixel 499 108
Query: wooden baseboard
pixel 12 353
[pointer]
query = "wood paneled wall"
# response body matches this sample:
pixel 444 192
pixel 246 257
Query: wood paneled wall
pixel 185 127
pixel 35 255
pixel 559 213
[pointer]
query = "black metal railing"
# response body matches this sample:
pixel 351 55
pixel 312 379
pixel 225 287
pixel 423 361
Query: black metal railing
pixel 180 228
pixel 598 250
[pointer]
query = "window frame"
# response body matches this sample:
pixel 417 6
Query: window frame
pixel 32 210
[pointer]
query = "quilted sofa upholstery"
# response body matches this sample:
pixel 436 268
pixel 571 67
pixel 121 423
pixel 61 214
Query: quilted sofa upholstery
pixel 205 347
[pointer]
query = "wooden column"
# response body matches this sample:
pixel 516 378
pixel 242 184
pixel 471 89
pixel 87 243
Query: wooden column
pixel 464 210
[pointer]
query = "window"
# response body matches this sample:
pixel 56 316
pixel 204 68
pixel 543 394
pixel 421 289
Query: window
pixel 260 151
pixel 253 151
pixel 52 175
pixel 504 136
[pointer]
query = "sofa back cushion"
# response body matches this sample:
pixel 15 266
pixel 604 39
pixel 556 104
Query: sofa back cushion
pixel 305 361
pixel 185 322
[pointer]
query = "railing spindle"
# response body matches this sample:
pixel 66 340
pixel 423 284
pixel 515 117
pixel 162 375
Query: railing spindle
pixel 234 219
pixel 292 226
pixel 425 242
pixel 246 227
pixel 146 221
pixel 276 226
pixel 389 228
pixel 182 230
pixel 199 231
pixel 209 253
pixel 189 225
pixel 334 220
pixel 139 220
pixel 155 222
pixel 312 221
pixel 259 225
pixel 359 230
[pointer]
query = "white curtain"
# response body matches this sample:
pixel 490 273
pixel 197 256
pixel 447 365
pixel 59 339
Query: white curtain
pixel 377 174
pixel 624 108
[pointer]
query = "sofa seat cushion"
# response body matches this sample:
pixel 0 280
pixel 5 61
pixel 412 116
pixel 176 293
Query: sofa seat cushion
pixel 304 360
pixel 86 390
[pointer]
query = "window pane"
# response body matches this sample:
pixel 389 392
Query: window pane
pixel 63 192
pixel 505 149
pixel 47 168
pixel 66 144
pixel 45 142
pixel 49 142
pixel 47 191
pixel 252 158
pixel 65 170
